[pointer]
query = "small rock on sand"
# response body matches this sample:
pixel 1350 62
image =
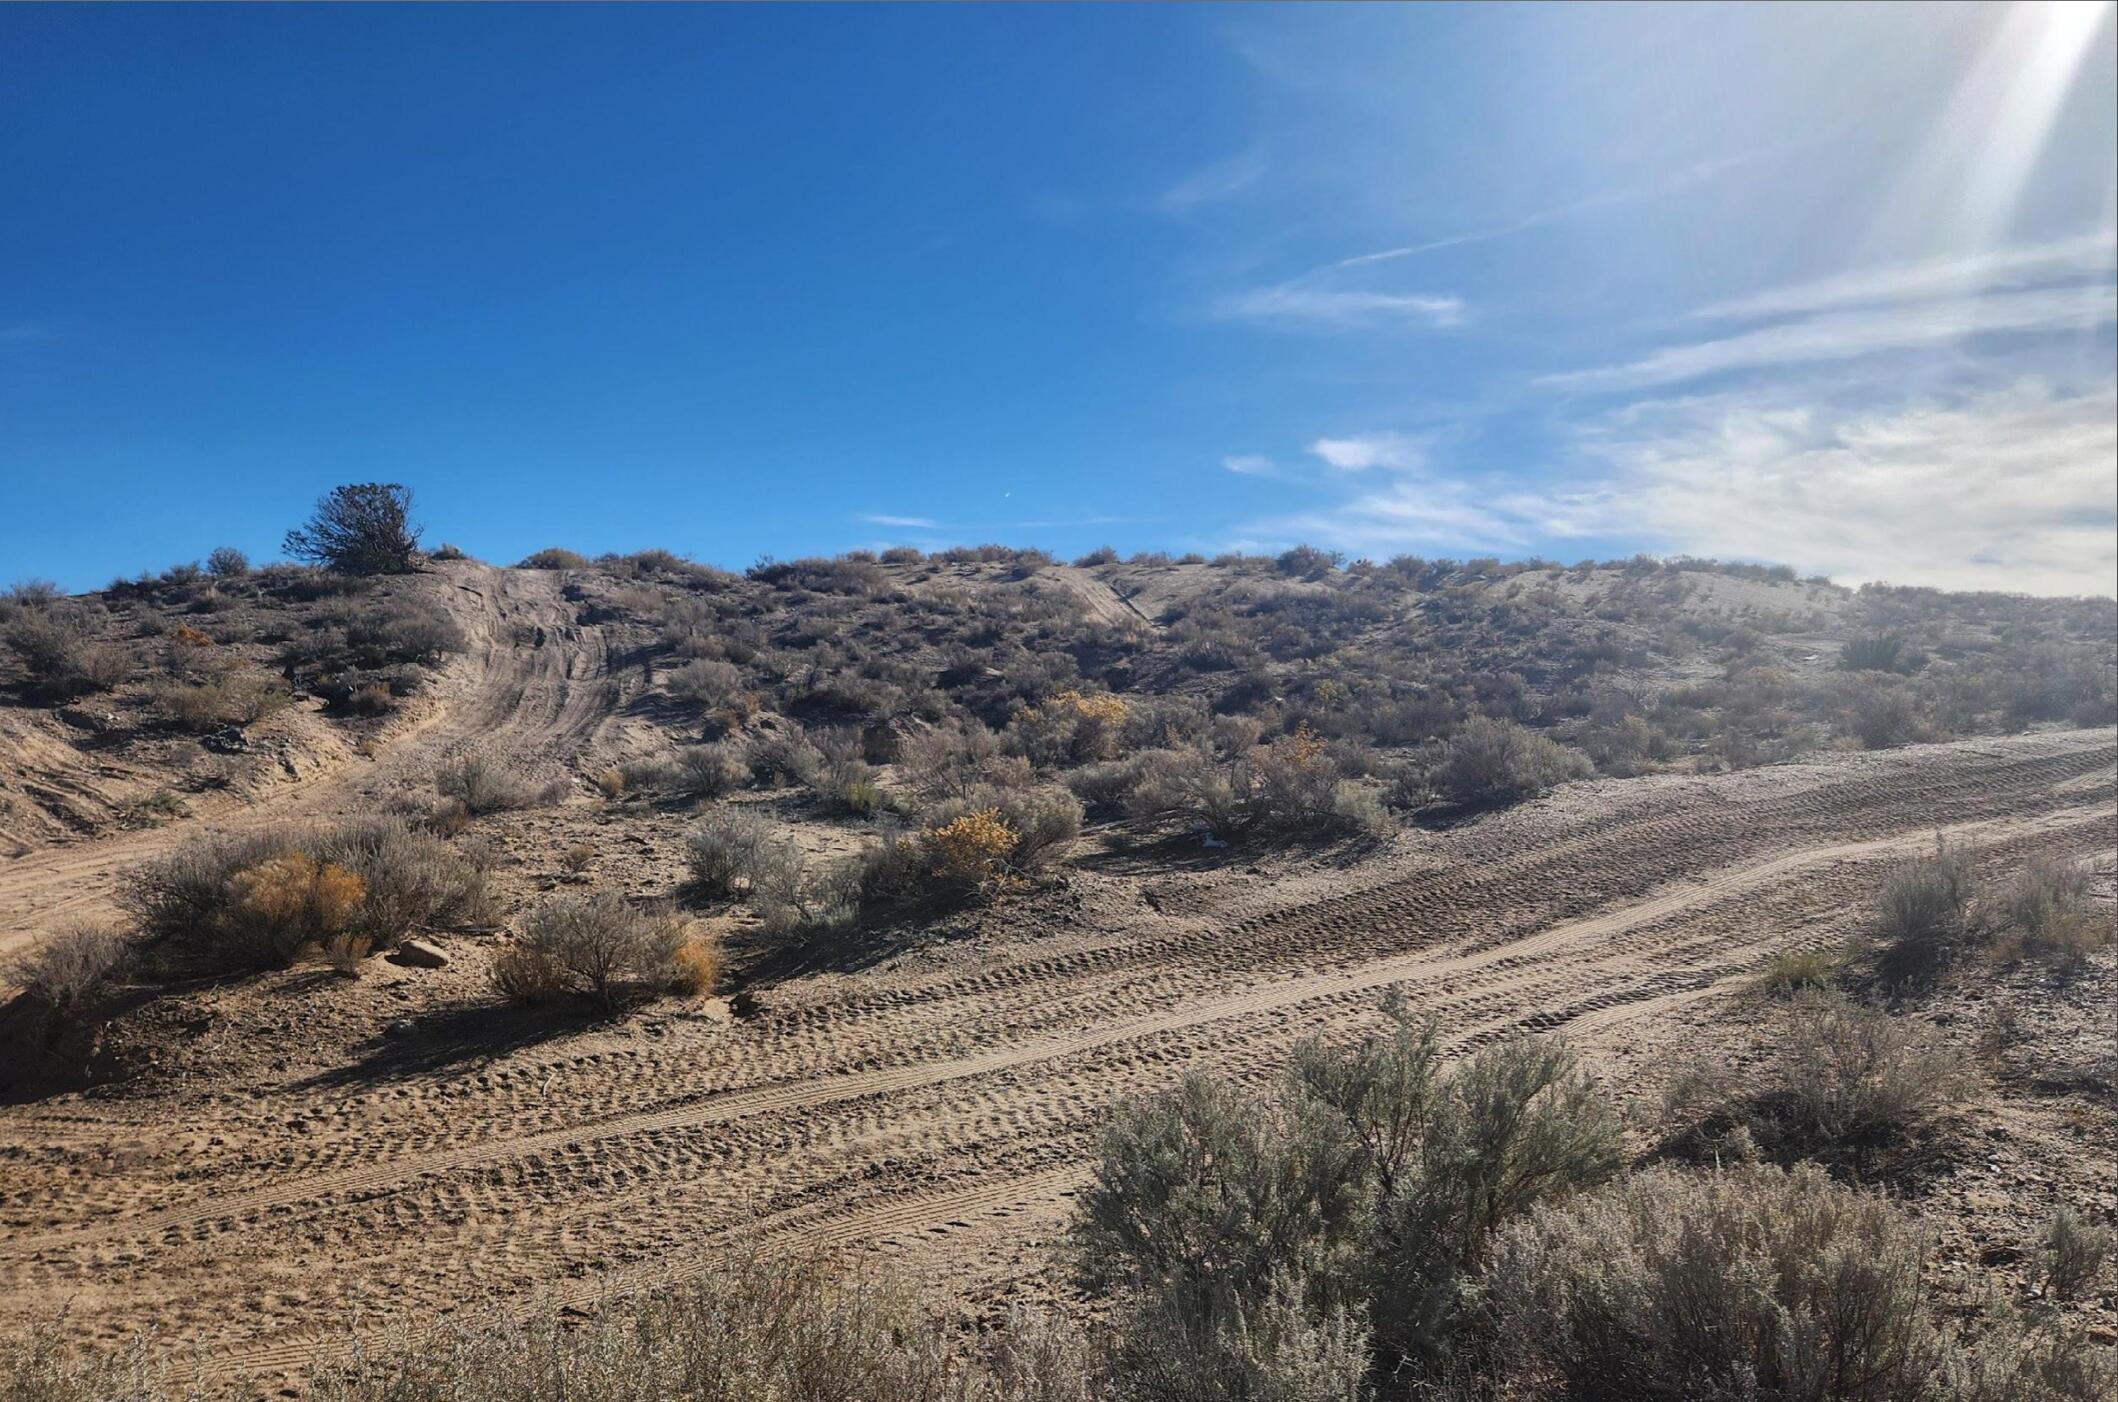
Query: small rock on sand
pixel 418 954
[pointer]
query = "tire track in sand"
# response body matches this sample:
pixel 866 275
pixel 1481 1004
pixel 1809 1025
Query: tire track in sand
pixel 270 1204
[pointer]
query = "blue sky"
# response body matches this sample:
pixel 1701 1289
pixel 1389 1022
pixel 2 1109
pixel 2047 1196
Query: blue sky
pixel 1827 285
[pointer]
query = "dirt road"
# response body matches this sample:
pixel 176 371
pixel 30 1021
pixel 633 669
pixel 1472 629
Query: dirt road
pixel 941 1106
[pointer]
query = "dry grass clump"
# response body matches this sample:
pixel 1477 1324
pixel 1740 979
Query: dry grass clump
pixel 256 900
pixel 1787 972
pixel 603 946
pixel 695 965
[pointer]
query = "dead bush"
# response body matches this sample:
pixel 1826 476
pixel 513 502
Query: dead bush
pixel 603 944
pixel 485 785
pixel 68 971
pixel 727 849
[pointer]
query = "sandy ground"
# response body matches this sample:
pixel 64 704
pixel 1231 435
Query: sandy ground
pixel 311 1153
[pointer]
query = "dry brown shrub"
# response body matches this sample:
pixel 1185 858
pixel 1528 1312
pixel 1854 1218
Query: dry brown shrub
pixel 695 967
pixel 285 901
pixel 972 849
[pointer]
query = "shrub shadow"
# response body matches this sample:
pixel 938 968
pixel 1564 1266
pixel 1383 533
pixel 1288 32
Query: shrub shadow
pixel 444 1039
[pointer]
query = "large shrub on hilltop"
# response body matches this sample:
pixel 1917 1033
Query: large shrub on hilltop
pixel 359 528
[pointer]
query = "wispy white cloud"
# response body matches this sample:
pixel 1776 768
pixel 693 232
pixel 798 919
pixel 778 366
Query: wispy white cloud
pixel 2084 255
pixel 910 523
pixel 1342 293
pixel 1842 335
pixel 1401 515
pixel 2001 489
pixel 1213 183
pixel 1288 302
pixel 1250 465
pixel 1361 451
pixel 2006 488
pixel 1628 194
